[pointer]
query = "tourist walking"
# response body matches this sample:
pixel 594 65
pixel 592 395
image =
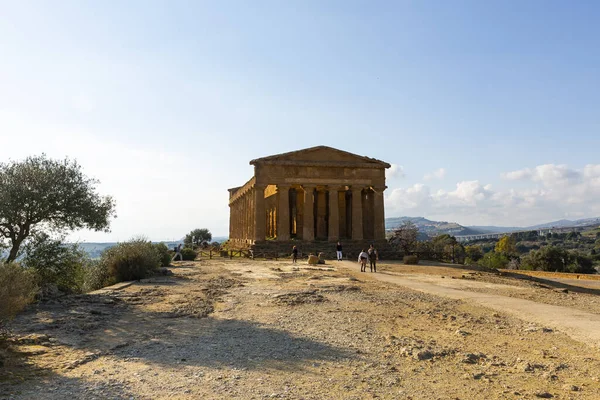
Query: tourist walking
pixel 294 254
pixel 362 259
pixel 373 257
pixel 178 253
pixel 338 251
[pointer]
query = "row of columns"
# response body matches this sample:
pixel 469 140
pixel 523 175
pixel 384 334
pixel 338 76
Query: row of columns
pixel 308 229
pixel 250 207
pixel 242 223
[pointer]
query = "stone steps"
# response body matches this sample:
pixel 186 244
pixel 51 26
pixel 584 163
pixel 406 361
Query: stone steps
pixel 351 249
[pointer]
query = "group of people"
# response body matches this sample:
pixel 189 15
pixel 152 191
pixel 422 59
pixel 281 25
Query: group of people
pixel 370 255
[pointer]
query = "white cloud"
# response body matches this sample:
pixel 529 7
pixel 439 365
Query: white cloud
pixel 521 174
pixel 395 171
pixel 548 174
pixel 551 192
pixel 439 173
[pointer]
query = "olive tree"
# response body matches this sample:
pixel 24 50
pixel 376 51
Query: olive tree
pixel 42 194
pixel 197 236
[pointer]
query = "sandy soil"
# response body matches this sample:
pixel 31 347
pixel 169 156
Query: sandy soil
pixel 224 329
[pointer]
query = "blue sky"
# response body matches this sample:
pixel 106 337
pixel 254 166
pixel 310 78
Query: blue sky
pixel 487 110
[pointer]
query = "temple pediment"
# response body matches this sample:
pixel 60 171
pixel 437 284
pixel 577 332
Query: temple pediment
pixel 321 155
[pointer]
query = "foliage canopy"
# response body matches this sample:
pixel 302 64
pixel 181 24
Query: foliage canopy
pixel 44 194
pixel 199 236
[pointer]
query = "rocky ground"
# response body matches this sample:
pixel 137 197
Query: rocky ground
pixel 222 329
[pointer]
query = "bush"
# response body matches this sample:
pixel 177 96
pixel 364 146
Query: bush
pixel 473 254
pixel 410 260
pixel 470 261
pixel 556 259
pixel 133 260
pixel 580 263
pixel 97 276
pixel 57 265
pixel 163 253
pixel 188 254
pixel 494 260
pixel 17 289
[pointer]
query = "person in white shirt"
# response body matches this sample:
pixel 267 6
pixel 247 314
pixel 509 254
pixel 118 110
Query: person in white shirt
pixel 362 259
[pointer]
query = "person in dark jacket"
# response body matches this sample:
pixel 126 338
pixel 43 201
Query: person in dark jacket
pixel 373 257
pixel 338 251
pixel 295 254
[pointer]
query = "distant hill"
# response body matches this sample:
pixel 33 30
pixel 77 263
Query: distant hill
pixel 432 228
pixel 494 229
pixel 96 249
pixel 567 223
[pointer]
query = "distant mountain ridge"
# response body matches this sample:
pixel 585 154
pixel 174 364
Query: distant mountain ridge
pixel 95 249
pixel 433 228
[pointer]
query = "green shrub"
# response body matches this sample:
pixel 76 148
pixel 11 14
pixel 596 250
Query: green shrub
pixel 17 289
pixel 410 260
pixel 132 260
pixel 556 259
pixel 473 253
pixel 494 260
pixel 56 264
pixel 188 254
pixel 97 276
pixel 163 254
pixel 470 261
pixel 580 263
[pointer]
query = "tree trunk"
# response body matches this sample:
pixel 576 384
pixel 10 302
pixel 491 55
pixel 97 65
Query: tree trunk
pixel 12 256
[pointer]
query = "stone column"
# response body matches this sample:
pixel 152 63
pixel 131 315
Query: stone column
pixel 231 210
pixel 283 212
pixel 240 230
pixel 259 213
pixel 357 218
pixel 242 216
pixel 334 215
pixel 379 213
pixel 252 214
pixel 247 217
pixel 321 208
pixel 308 230
pixel 235 219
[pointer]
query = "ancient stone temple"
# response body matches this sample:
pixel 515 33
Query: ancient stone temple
pixel 315 195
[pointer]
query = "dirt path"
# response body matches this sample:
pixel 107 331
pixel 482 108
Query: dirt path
pixel 580 325
pixel 248 329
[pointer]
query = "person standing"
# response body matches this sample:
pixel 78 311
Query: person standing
pixel 338 250
pixel 373 257
pixel 294 254
pixel 178 253
pixel 362 259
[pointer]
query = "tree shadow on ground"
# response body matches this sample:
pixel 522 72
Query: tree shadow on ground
pixel 552 284
pixel 22 379
pixel 112 324
pixel 216 343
